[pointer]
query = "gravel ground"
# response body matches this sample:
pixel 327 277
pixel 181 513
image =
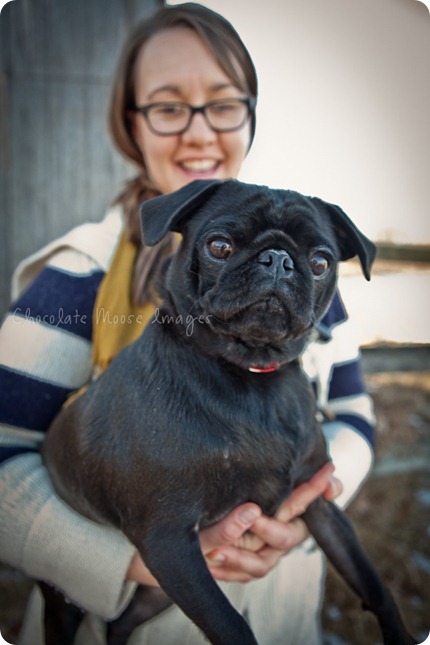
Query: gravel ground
pixel 391 515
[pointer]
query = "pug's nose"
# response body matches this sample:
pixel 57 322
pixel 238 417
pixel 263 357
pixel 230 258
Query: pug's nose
pixel 276 261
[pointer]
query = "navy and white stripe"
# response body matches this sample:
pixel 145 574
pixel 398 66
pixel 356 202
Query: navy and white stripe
pixel 334 369
pixel 45 350
pixel 60 300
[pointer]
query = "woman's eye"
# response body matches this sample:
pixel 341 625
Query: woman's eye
pixel 224 107
pixel 220 249
pixel 168 111
pixel 319 265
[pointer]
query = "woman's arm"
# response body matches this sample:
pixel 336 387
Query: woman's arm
pixel 43 537
pixel 350 435
pixel 45 353
pixel 334 368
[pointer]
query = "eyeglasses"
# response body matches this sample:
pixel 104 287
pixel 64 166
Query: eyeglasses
pixel 224 115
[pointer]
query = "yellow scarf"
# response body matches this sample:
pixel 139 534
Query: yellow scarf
pixel 117 321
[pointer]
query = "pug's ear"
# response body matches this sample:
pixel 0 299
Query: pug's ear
pixel 351 240
pixel 168 212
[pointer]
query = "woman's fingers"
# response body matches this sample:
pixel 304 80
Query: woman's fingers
pixel 279 535
pixel 230 528
pixel 321 483
pixel 334 489
pixel 274 539
pixel 239 565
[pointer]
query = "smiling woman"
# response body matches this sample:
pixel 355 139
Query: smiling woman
pixel 202 152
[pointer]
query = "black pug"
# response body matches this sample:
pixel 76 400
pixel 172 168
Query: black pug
pixel 209 408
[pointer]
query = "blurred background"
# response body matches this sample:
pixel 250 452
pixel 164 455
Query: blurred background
pixel 343 114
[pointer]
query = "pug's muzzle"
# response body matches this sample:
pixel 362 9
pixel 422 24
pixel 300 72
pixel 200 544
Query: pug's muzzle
pixel 274 308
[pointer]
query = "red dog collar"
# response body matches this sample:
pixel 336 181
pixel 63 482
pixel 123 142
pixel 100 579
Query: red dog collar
pixel 257 369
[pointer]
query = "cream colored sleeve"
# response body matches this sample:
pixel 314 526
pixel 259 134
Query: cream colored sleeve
pixel 47 540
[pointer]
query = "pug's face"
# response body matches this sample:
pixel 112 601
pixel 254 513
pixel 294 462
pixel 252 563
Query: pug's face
pixel 261 277
pixel 259 266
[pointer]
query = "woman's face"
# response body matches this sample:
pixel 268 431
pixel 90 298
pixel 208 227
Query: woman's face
pixel 175 65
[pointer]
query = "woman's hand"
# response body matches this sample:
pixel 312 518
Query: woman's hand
pixel 253 547
pixel 247 544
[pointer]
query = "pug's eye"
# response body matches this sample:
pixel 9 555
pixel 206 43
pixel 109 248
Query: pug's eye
pixel 319 264
pixel 220 249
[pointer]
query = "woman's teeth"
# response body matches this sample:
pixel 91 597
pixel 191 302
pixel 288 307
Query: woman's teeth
pixel 200 165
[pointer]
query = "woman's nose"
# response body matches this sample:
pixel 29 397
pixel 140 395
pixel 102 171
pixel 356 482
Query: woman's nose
pixel 199 130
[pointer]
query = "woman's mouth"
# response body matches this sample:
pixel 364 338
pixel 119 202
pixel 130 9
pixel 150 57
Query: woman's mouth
pixel 199 166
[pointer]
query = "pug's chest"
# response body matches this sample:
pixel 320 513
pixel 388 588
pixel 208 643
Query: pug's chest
pixel 253 463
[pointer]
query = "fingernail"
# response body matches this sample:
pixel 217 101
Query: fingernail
pixel 337 487
pixel 218 557
pixel 249 515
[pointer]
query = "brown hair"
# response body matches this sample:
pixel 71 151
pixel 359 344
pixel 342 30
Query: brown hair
pixel 233 58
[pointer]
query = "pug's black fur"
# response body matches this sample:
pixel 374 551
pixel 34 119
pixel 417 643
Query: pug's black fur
pixel 186 425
